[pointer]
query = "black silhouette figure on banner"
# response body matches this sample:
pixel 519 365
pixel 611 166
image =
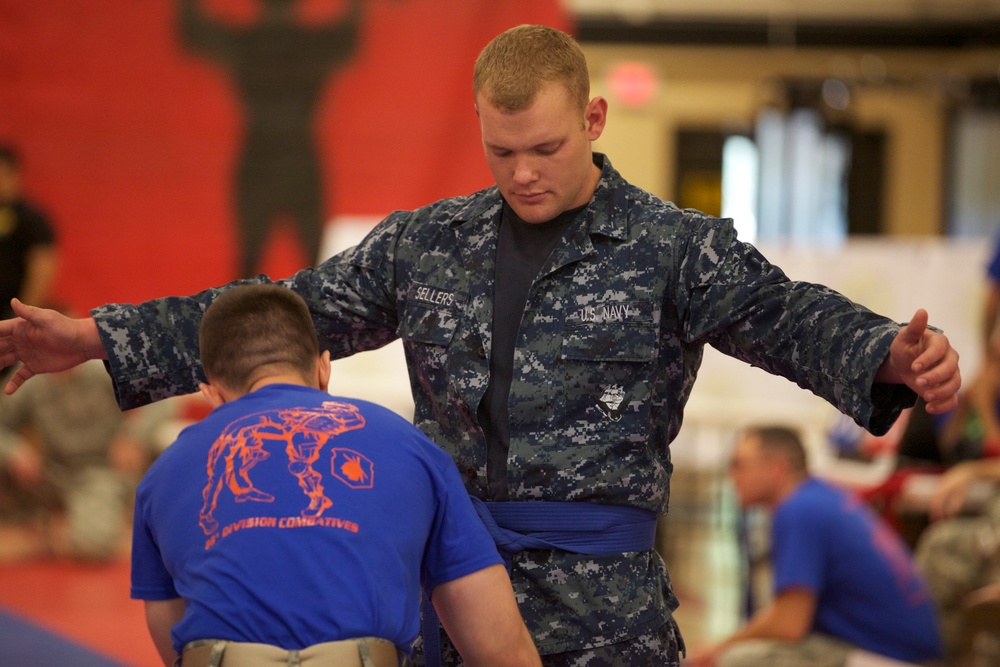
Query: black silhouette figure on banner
pixel 279 68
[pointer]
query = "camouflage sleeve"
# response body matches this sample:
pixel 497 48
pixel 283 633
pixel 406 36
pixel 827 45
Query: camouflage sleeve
pixel 153 346
pixel 352 295
pixel 810 334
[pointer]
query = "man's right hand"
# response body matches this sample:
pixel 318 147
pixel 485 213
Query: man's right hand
pixel 45 341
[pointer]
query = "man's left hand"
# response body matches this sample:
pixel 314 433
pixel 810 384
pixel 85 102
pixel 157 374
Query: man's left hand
pixel 924 361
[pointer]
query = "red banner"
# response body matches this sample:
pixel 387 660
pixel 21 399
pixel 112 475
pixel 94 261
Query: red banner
pixel 165 136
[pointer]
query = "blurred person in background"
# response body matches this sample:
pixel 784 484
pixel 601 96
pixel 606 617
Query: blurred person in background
pixel 68 452
pixel 972 429
pixel 959 553
pixel 991 303
pixel 843 580
pixel 27 241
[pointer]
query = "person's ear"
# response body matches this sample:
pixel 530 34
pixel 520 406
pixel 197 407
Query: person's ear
pixel 211 394
pixel 595 115
pixel 323 370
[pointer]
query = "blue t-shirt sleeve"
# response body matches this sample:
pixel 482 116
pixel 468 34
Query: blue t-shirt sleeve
pixel 150 578
pixel 459 543
pixel 798 556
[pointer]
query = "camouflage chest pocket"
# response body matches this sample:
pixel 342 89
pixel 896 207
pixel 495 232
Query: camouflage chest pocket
pixel 624 333
pixel 431 316
pixel 606 367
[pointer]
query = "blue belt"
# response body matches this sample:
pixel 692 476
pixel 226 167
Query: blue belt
pixel 581 528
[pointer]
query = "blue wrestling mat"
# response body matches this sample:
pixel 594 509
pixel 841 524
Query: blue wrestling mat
pixel 24 644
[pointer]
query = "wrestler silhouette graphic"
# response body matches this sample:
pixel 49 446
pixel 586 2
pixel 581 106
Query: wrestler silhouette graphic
pixel 279 69
pixel 303 432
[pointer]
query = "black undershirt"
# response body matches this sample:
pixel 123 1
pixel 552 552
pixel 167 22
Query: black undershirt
pixel 522 249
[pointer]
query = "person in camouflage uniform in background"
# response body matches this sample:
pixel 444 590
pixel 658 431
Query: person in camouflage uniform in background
pixel 960 551
pixel 553 327
pixel 69 451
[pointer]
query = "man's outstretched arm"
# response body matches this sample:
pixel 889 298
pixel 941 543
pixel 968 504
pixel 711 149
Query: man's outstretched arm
pixel 45 341
pixel 481 617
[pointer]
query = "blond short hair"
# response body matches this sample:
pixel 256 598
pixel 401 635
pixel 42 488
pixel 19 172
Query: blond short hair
pixel 517 63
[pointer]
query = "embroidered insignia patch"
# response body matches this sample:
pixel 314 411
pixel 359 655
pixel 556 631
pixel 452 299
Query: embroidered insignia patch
pixel 611 402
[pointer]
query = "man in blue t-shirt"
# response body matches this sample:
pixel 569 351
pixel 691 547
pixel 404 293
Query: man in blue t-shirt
pixel 842 579
pixel 290 523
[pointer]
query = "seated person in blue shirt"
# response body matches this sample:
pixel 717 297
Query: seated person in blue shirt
pixel 843 580
pixel 290 523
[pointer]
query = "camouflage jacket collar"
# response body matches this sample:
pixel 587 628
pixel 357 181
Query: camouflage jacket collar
pixel 606 214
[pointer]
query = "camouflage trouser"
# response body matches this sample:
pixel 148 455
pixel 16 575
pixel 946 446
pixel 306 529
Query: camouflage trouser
pixel 956 557
pixel 93 500
pixel 985 651
pixel 95 510
pixel 813 650
pixel 660 647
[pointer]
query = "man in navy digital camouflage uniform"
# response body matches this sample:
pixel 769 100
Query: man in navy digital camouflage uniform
pixel 553 327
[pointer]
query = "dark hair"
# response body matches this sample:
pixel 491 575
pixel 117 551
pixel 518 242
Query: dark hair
pixel 10 155
pixel 783 442
pixel 250 329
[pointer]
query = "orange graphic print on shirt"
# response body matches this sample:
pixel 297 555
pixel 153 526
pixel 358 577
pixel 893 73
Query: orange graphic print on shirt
pixel 303 432
pixel 353 469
